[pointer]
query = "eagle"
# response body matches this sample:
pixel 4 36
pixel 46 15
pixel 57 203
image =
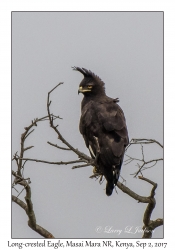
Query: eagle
pixel 103 127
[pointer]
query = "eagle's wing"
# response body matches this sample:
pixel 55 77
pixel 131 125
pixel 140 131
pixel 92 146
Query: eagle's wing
pixel 114 137
pixel 105 121
pixel 87 121
pixel 112 119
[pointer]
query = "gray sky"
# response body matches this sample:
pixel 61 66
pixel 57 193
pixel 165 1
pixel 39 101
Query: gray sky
pixel 126 50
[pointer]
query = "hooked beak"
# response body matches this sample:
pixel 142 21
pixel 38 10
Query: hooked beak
pixel 81 90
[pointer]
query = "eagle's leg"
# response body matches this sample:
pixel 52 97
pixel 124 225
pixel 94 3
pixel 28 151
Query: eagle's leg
pixel 95 155
pixel 95 167
pixel 97 148
pixel 91 152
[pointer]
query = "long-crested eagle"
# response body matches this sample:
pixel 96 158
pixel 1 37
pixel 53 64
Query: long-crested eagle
pixel 103 127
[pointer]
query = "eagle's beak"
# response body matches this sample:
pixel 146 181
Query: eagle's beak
pixel 81 90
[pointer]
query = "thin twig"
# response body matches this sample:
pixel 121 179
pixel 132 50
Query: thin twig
pixel 29 133
pixel 54 163
pixel 145 163
pixel 56 146
pixel 28 148
pixel 148 141
pixel 81 166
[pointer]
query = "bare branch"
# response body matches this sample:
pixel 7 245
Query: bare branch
pixel 23 138
pixel 149 225
pixel 51 162
pixel 29 133
pixel 131 159
pixel 145 163
pixel 60 137
pixel 146 141
pixel 55 87
pixel 19 202
pixel 149 181
pixel 81 166
pixel 55 145
pixel 132 194
pixel 28 148
pixel 151 204
pixel 157 223
pixel 23 164
pixel 43 232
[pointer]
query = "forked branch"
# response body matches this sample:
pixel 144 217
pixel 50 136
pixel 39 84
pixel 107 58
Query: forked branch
pixel 142 163
pixel 28 207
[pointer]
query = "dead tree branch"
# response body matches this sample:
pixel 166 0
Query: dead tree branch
pixel 143 141
pixel 132 194
pixel 28 207
pixel 20 180
pixel 54 163
pixel 60 137
pixel 56 146
pixel 23 138
pixel 143 163
pixel 42 231
pixel 149 225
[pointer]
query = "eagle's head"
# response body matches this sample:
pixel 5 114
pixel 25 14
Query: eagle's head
pixel 91 85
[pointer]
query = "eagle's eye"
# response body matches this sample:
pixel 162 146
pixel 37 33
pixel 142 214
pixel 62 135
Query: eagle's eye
pixel 89 86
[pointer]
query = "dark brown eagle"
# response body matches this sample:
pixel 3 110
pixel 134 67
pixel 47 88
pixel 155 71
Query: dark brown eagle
pixel 103 127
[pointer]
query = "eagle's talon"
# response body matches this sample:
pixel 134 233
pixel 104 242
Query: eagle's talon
pixel 95 170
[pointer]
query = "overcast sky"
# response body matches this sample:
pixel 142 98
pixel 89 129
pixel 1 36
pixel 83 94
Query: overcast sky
pixel 125 49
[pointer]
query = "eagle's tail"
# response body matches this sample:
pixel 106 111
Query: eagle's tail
pixel 110 183
pixel 112 179
pixel 109 188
